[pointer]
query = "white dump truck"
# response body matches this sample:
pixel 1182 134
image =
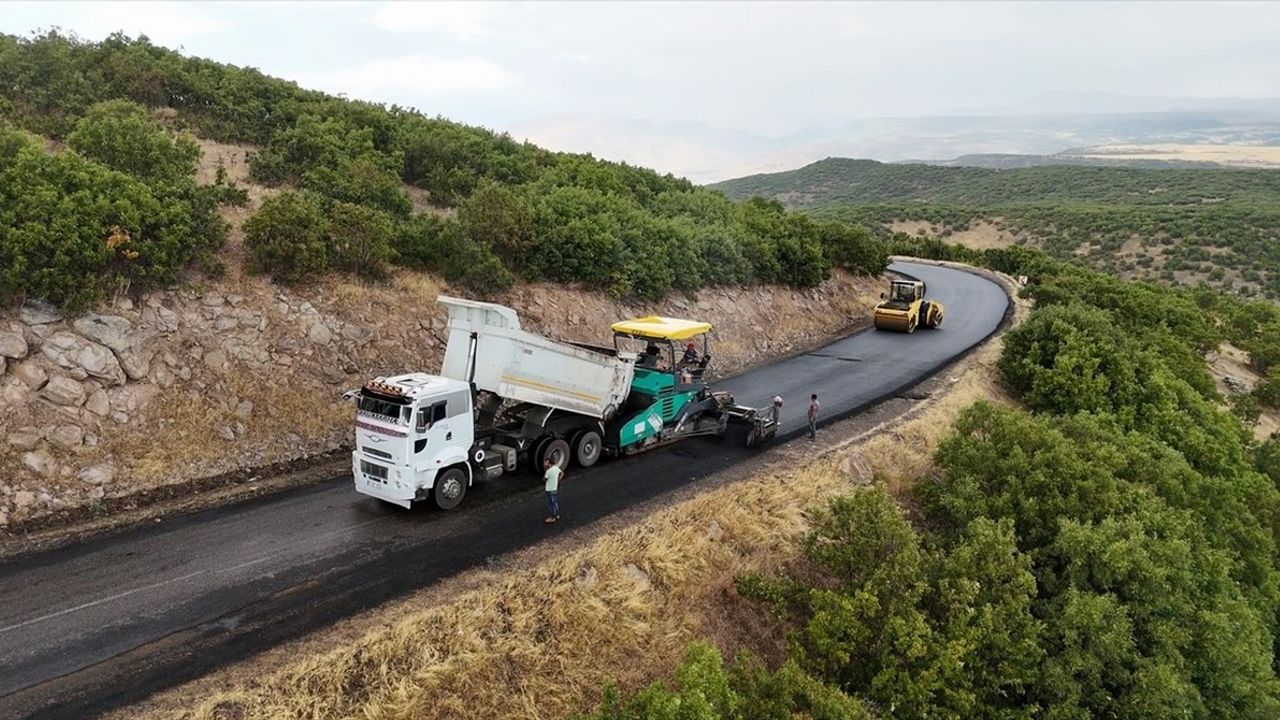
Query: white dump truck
pixel 506 396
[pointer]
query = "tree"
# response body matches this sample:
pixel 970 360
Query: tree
pixel 122 135
pixel 436 244
pixel 360 239
pixel 288 237
pixel 500 219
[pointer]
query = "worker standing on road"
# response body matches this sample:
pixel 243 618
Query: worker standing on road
pixel 552 479
pixel 813 416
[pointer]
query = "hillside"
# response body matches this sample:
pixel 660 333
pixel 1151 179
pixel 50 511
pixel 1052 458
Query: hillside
pixel 196 260
pixel 1182 225
pixel 362 187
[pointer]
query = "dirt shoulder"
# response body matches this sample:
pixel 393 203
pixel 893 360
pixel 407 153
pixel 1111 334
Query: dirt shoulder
pixel 524 637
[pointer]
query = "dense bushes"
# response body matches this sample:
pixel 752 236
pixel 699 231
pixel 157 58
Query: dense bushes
pixel 288 237
pixel 1214 224
pixel 428 242
pixel 1141 561
pixel 72 229
pixel 836 181
pixel 295 236
pixel 522 210
pixel 360 239
pixel 121 135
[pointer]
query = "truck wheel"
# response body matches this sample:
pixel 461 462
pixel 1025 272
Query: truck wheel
pixel 450 488
pixel 534 458
pixel 557 450
pixel 586 448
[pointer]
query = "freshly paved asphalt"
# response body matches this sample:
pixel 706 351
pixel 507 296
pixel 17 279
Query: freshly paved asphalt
pixel 91 627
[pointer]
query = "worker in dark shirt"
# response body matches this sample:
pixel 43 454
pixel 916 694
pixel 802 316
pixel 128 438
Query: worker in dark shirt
pixel 690 354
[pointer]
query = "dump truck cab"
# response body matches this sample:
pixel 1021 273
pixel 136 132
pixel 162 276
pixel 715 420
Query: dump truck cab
pixel 410 429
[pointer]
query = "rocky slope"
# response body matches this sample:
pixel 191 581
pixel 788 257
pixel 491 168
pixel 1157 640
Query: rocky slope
pixel 239 372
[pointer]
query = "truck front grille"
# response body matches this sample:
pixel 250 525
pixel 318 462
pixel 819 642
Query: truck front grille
pixel 376 453
pixel 376 472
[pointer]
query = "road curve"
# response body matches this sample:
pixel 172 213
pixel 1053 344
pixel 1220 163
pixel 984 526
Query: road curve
pixel 88 628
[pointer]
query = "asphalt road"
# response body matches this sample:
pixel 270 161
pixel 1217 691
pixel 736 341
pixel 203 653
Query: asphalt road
pixel 88 628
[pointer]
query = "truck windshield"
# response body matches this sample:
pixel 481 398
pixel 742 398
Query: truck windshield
pixel 394 412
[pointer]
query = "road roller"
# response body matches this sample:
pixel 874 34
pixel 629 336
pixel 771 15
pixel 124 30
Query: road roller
pixel 905 308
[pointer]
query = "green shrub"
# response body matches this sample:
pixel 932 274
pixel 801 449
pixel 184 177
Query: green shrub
pixel 707 690
pixel 1246 407
pixel 434 244
pixel 500 219
pixel 122 135
pixel 360 239
pixel 288 237
pixel 1268 390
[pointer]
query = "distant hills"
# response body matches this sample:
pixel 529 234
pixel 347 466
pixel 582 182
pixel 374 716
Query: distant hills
pixel 850 181
pixel 708 154
pixel 1178 224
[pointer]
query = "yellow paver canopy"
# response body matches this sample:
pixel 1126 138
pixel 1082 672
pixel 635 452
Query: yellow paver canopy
pixel 662 328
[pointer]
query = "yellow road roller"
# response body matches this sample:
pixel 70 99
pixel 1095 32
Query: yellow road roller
pixel 905 309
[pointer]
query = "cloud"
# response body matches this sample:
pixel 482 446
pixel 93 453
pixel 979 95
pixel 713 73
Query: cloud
pixel 166 24
pixel 465 21
pixel 399 79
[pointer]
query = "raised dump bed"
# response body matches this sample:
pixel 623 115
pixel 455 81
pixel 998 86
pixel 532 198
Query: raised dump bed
pixel 487 347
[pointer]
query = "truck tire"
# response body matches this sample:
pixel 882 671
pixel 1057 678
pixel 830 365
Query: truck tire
pixel 450 488
pixel 557 450
pixel 534 458
pixel 586 448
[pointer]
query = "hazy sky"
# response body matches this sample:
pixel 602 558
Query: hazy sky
pixel 759 68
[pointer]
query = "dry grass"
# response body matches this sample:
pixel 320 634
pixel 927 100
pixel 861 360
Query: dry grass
pixel 1258 156
pixel 1233 374
pixel 980 235
pixel 984 235
pixel 541 642
pixel 181 433
pixel 182 430
pixel 913 227
pixel 418 288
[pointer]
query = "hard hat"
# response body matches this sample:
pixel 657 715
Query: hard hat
pixel 690 346
pixel 777 400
